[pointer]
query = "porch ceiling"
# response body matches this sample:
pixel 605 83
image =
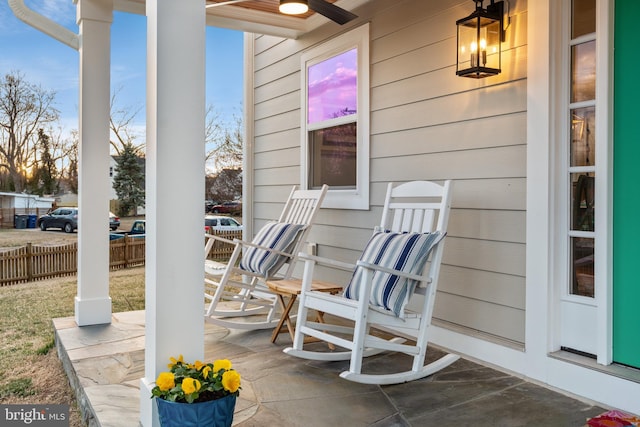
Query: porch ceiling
pixel 255 16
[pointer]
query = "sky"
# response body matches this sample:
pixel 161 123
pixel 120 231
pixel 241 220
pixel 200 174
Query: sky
pixel 333 87
pixel 54 66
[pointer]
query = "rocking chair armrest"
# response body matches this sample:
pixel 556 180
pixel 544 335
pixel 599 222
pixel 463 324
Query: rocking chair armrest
pixel 218 238
pixel 400 273
pixel 326 261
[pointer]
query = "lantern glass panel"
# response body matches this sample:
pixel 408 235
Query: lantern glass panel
pixel 479 43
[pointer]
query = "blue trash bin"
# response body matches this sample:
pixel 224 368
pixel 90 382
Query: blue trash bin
pixel 31 223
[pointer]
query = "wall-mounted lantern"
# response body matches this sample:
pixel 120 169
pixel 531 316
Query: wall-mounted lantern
pixel 479 41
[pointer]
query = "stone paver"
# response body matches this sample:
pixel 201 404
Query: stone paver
pixel 105 363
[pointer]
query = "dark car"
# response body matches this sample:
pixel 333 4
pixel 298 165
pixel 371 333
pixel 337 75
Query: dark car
pixel 114 221
pixel 63 218
pixel 208 204
pixel 227 207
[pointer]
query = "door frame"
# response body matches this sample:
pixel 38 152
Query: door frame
pixel 572 313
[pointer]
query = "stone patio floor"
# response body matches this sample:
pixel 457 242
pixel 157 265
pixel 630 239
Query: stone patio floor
pixel 105 363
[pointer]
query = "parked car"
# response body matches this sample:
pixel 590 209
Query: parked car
pixel 114 221
pixel 208 204
pixel 138 229
pixel 227 207
pixel 214 222
pixel 63 218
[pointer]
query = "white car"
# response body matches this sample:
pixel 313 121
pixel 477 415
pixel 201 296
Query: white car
pixel 226 223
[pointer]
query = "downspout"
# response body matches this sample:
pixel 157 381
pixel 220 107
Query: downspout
pixel 44 24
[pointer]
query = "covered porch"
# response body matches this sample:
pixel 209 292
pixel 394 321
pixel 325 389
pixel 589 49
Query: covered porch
pixel 105 362
pixel 502 292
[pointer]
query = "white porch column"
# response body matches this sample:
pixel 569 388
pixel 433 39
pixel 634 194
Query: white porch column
pixel 175 188
pixel 92 303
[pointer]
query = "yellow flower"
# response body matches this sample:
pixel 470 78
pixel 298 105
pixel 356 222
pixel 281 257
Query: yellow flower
pixel 206 371
pixel 198 365
pixel 221 364
pixel 231 381
pixel 165 381
pixel 175 362
pixel 190 385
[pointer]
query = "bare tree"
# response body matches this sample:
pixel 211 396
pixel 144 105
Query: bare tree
pixel 24 108
pixel 227 147
pixel 123 131
pixel 227 185
pixel 68 161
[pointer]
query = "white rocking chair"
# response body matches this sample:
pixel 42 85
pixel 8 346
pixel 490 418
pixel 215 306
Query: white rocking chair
pixel 392 269
pixel 236 291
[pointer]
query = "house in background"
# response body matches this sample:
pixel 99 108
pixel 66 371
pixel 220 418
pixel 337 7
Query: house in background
pixel 12 204
pixel 538 276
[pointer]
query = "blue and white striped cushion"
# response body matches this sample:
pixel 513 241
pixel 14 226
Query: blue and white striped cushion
pixel 406 252
pixel 275 235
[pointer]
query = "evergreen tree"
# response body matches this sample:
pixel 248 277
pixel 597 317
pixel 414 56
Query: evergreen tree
pixel 44 176
pixel 72 173
pixel 129 181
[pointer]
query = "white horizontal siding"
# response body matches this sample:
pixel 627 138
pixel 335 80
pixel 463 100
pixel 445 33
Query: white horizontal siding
pixel 497 288
pixel 454 136
pixel 426 123
pixel 277 140
pixel 498 225
pixel 483 102
pixel 500 320
pixel 493 162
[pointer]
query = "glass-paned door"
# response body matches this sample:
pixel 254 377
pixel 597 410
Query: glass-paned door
pixel 578 303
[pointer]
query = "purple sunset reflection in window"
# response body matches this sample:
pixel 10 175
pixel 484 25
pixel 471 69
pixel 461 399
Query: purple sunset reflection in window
pixel 333 87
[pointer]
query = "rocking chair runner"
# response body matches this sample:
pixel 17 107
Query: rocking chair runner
pixel 392 270
pixel 239 298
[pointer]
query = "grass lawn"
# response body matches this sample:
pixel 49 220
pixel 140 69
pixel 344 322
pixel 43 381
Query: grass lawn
pixel 30 372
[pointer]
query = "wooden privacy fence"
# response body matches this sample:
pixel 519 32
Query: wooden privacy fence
pixel 221 250
pixel 126 252
pixel 37 262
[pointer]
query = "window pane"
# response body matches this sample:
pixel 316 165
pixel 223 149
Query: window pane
pixel 582 256
pixel 583 143
pixel 333 87
pixel 582 202
pixel 583 72
pixel 333 157
pixel 583 16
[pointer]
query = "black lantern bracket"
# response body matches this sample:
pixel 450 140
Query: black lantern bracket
pixel 496 8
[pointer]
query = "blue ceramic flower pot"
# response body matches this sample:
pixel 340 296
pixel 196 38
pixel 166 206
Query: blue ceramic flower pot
pixel 215 413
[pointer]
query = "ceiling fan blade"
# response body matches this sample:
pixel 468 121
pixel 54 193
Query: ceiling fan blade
pixel 331 11
pixel 223 3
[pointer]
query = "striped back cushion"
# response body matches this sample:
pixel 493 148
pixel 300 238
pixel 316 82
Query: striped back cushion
pixel 275 235
pixel 407 252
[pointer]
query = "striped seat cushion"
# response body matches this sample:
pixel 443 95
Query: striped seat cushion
pixel 407 252
pixel 275 235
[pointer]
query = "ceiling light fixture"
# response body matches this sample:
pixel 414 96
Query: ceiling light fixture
pixel 294 7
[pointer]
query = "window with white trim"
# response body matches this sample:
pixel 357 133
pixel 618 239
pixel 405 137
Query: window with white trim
pixel 581 166
pixel 335 119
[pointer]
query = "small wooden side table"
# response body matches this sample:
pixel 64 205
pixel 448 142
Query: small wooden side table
pixel 291 288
